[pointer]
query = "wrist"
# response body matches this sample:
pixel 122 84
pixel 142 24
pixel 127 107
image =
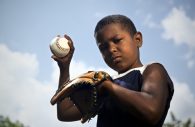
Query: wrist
pixel 64 77
pixel 64 68
pixel 105 87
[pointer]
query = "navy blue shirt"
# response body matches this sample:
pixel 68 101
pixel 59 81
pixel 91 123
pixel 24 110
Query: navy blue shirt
pixel 112 116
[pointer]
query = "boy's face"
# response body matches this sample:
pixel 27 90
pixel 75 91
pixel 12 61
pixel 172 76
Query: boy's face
pixel 119 50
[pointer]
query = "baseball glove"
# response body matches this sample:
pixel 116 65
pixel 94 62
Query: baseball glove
pixel 83 92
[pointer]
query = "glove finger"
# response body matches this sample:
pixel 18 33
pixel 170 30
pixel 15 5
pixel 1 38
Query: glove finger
pixel 64 92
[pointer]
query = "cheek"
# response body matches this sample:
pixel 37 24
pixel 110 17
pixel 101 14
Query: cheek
pixel 107 60
pixel 125 50
pixel 129 47
pixel 129 54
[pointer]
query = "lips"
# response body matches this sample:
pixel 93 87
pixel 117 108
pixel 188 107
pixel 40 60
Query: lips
pixel 116 59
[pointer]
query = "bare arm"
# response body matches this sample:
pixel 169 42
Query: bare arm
pixel 149 104
pixel 66 110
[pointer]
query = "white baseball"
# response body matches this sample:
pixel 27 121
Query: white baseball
pixel 59 46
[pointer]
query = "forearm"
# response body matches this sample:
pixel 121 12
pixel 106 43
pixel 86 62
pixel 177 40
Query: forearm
pixel 138 104
pixel 66 111
pixel 64 77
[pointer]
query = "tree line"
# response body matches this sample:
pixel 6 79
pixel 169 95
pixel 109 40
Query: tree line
pixel 6 122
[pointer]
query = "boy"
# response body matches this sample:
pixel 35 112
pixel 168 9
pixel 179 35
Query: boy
pixel 139 96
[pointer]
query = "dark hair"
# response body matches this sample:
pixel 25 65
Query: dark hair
pixel 125 22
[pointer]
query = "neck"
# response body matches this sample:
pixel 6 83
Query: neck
pixel 134 65
pixel 137 63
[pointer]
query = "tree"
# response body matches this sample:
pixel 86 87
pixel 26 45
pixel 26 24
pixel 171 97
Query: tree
pixel 178 123
pixel 6 122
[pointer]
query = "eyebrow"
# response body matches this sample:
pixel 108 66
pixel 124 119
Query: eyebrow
pixel 116 35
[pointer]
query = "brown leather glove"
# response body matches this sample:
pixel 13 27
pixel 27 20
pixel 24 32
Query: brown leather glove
pixel 83 92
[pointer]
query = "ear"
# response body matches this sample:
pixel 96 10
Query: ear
pixel 138 39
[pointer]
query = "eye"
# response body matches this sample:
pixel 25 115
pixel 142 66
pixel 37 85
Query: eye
pixel 117 40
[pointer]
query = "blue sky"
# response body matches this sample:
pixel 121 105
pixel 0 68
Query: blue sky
pixel 31 76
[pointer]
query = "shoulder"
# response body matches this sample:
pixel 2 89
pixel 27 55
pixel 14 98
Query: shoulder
pixel 156 68
pixel 156 71
pixel 158 74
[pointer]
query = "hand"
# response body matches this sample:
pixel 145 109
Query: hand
pixel 64 62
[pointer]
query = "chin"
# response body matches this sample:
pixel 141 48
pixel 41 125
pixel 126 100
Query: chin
pixel 119 67
pixel 121 70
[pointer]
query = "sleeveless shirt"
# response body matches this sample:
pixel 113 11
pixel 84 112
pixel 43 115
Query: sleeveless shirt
pixel 111 115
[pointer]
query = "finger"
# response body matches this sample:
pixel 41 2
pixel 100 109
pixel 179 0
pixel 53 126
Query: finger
pixel 55 58
pixel 70 43
pixel 71 47
pixel 67 37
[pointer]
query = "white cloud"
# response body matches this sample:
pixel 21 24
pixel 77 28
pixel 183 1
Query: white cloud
pixel 181 29
pixel 13 60
pixel 183 102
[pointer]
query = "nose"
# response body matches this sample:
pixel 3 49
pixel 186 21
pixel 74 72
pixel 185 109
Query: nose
pixel 112 47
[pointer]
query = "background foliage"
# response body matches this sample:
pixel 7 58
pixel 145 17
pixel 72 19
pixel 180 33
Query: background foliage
pixel 6 122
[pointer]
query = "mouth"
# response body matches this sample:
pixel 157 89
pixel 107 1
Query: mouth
pixel 116 59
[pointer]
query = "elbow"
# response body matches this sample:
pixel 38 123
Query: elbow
pixel 153 116
pixel 67 116
pixel 153 120
pixel 60 117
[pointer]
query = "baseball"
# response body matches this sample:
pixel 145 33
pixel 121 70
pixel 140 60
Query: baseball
pixel 59 46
